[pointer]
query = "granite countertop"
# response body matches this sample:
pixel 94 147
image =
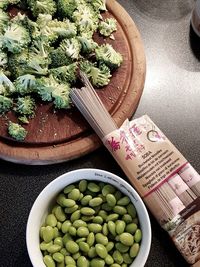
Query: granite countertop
pixel 171 98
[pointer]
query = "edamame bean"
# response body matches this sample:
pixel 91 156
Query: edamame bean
pixel 131 210
pixel 82 231
pixel 127 218
pixel 101 251
pixel 101 239
pixel 95 202
pixel 82 185
pixel 109 260
pixel 118 195
pixel 105 229
pixel 123 201
pixel 120 227
pixel 111 228
pixel 79 223
pixel 60 264
pixel 91 239
pixel 49 262
pixel 108 189
pixel 84 247
pixel 58 241
pixel 117 256
pixel 111 200
pixel 71 210
pixel 64 252
pixel 124 265
pixel 112 217
pixel 85 200
pixel 58 257
pixel 131 228
pixel 81 239
pixel 60 215
pixel 54 248
pixel 65 226
pixel 82 262
pixel 97 262
pixel 86 218
pixel 110 246
pixel 69 260
pixel 74 194
pixel 121 247
pixel 98 219
pixel 138 236
pixel 134 250
pixel 72 230
pixel 72 247
pixel 56 232
pixel 127 259
pixel 93 187
pixel 68 203
pixel 120 210
pixel 51 220
pixel 44 245
pixel 69 188
pixel 76 255
pixel 92 252
pixel 103 214
pixel 106 207
pixel 75 216
pixel 115 265
pixel 95 227
pixel 87 211
pixel 48 234
pixel 126 239
pixel 66 238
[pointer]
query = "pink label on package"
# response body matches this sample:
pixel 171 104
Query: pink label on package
pixel 177 205
pixel 177 184
pixel 189 175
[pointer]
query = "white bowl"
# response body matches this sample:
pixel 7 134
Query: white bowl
pixel 41 208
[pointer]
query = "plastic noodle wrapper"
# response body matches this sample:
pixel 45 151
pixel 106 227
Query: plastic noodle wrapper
pixel 162 176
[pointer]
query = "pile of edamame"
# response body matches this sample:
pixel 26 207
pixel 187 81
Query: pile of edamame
pixel 92 225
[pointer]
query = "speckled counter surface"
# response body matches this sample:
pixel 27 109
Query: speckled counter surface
pixel 171 98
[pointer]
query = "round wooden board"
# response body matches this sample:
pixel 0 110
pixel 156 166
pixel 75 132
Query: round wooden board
pixel 64 135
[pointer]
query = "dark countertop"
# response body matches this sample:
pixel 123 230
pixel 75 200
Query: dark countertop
pixel 171 98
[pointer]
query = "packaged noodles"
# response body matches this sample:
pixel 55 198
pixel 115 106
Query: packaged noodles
pixel 169 185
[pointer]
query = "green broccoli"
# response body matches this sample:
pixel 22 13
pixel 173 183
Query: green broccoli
pixel 5 104
pixel 88 45
pixel 43 19
pixel 99 5
pixel 63 29
pixel 6 86
pixel 4 19
pixel 98 76
pixel 25 106
pixel 25 84
pixel 66 8
pixel 108 26
pixel 58 58
pixel 66 74
pixel 107 54
pixel 61 96
pixel 3 60
pixel 23 119
pixel 71 47
pixel 16 131
pixel 16 63
pixel 45 87
pixel 4 4
pixel 15 38
pixel 85 18
pixel 42 7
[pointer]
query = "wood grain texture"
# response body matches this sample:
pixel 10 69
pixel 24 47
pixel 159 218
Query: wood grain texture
pixel 64 135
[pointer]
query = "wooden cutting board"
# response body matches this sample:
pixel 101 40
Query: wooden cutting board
pixel 63 135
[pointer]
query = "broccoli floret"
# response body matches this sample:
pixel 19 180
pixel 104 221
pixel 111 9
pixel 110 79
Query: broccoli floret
pixel 98 76
pixel 45 87
pixel 43 19
pixel 3 60
pixel 23 119
pixel 5 104
pixel 71 47
pixel 87 45
pixel 4 19
pixel 99 5
pixel 58 58
pixel 15 38
pixel 4 4
pixel 64 29
pixel 25 84
pixel 66 8
pixel 6 86
pixel 61 96
pixel 66 74
pixel 108 26
pixel 107 54
pixel 16 131
pixel 85 18
pixel 25 106
pixel 16 63
pixel 42 7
